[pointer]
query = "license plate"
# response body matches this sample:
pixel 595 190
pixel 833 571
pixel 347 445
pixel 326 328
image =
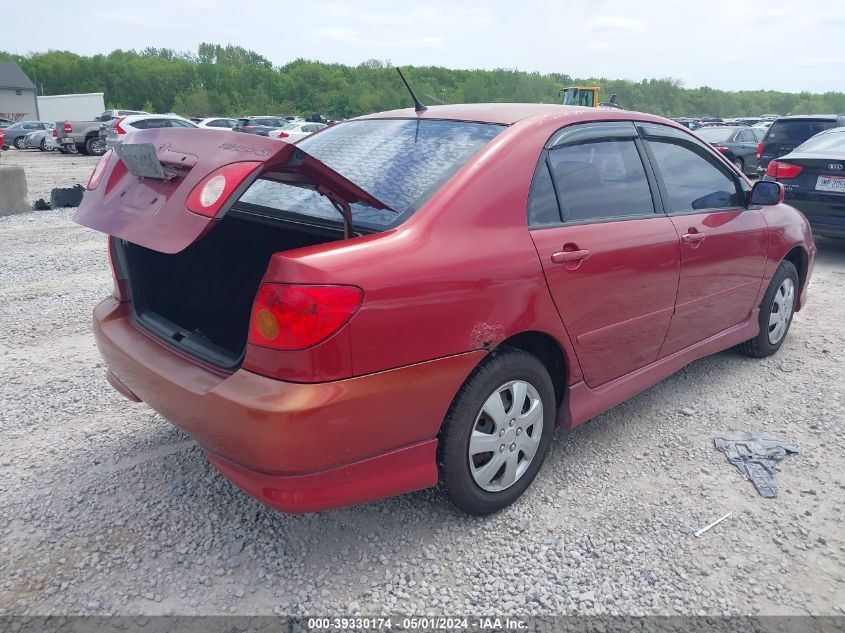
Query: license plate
pixel 831 183
pixel 140 159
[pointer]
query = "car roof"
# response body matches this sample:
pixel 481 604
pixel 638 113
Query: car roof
pixel 510 113
pixel 138 117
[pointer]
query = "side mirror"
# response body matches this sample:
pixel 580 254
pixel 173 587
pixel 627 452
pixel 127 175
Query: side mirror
pixel 766 193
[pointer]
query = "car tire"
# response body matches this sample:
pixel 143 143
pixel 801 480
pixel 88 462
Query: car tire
pixel 94 146
pixel 776 312
pixel 466 471
pixel 43 145
pixel 739 164
pixel 18 143
pixel 71 149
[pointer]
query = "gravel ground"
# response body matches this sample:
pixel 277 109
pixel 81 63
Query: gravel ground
pixel 106 508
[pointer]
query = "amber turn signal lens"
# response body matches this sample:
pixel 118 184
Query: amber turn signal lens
pixel 267 324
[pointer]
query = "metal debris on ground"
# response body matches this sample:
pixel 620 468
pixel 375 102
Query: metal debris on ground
pixel 714 524
pixel 755 455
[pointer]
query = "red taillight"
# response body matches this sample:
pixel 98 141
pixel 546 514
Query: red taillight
pixel 68 128
pixel 721 148
pixel 55 133
pixel 783 171
pixel 211 193
pixel 117 127
pixel 759 150
pixel 289 317
pixel 99 170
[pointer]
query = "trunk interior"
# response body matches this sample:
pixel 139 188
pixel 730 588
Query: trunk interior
pixel 200 299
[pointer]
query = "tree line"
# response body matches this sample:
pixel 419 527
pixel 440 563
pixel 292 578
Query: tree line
pixel 233 81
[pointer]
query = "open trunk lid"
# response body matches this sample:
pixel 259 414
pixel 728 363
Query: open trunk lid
pixel 144 190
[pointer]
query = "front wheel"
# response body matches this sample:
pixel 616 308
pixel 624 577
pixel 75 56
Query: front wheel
pixel 18 143
pixel 497 432
pixel 776 312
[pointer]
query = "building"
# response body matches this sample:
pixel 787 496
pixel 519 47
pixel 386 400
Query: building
pixel 84 107
pixel 17 94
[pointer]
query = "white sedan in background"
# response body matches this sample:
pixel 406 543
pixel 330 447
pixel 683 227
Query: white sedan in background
pixel 117 129
pixel 295 131
pixel 216 123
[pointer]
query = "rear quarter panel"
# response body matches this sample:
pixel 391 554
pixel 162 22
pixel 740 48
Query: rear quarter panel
pixel 461 274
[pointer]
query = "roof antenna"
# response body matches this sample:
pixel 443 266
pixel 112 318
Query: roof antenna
pixel 418 105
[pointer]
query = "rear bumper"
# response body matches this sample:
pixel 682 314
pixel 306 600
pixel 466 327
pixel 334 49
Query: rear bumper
pixel 297 447
pixel 826 216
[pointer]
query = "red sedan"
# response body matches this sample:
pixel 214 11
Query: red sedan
pixel 413 298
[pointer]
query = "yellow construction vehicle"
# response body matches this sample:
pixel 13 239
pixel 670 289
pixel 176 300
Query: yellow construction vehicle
pixel 587 96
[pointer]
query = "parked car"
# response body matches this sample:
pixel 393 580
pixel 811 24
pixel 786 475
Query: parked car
pixel 813 175
pixel 13 135
pixel 692 124
pixel 788 132
pixel 296 131
pixel 737 143
pixel 413 297
pixel 216 122
pixel 84 136
pixel 115 131
pixel 260 125
pixel 317 118
pixel 40 139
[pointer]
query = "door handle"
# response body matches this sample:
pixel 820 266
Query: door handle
pixel 693 238
pixel 570 257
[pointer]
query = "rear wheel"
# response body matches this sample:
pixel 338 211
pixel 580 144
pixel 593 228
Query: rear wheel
pixel 776 312
pixel 739 164
pixel 497 432
pixel 94 146
pixel 43 145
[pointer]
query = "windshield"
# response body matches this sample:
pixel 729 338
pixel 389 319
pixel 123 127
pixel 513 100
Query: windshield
pixel 826 141
pixel 715 134
pixel 796 132
pixel 402 162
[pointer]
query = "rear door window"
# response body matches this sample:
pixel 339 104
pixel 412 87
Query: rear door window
pixel 150 124
pixel 600 179
pixel 542 202
pixel 402 162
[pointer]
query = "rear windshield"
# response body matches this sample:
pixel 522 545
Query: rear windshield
pixel 715 134
pixel 796 132
pixel 827 141
pixel 402 162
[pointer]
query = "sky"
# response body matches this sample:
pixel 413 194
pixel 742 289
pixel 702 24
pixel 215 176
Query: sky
pixel 786 45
